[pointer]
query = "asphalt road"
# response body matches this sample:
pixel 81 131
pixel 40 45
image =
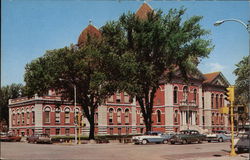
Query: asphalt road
pixel 115 151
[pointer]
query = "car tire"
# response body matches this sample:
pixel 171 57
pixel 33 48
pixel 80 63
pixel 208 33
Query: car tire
pixel 209 141
pixel 144 141
pixel 220 140
pixel 184 141
pixel 165 141
pixel 172 142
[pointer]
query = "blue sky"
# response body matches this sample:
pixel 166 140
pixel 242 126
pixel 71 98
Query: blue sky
pixel 30 27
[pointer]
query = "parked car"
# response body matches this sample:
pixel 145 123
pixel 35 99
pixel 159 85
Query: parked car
pixel 39 138
pixel 187 136
pixel 9 137
pixel 219 136
pixel 152 137
pixel 242 142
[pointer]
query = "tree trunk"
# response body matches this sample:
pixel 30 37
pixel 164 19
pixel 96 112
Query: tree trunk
pixel 92 127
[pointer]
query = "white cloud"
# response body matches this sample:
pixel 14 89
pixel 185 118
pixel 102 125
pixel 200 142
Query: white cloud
pixel 215 67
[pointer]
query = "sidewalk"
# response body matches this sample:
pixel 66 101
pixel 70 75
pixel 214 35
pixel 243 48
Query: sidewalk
pixel 244 156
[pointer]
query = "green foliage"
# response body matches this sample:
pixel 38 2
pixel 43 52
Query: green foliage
pixel 86 68
pixel 150 49
pixel 242 81
pixel 9 92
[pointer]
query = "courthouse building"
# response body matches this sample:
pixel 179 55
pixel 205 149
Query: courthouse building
pixel 177 106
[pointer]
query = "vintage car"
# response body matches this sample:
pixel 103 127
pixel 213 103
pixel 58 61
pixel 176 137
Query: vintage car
pixel 152 137
pixel 219 136
pixel 242 142
pixel 9 137
pixel 187 136
pixel 39 138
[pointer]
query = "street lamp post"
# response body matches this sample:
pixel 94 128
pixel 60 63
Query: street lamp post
pixel 75 120
pixel 247 26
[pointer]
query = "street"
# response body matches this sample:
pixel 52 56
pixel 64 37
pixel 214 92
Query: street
pixel 116 151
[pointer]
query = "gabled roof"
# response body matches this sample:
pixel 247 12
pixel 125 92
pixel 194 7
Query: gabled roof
pixel 210 76
pixel 216 78
pixel 142 12
pixel 89 30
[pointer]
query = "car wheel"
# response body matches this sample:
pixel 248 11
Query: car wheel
pixel 184 141
pixel 209 141
pixel 165 141
pixel 144 141
pixel 220 140
pixel 172 142
pixel 199 141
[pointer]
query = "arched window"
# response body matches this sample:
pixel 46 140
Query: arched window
pixel 175 116
pixel 28 116
pixel 22 116
pixel 217 119
pixel 13 119
pixel 212 101
pixel 141 118
pixel 221 100
pixel 18 117
pixel 47 114
pixel 67 115
pixel 175 95
pixel 222 119
pixel 212 118
pixel 57 115
pixel 195 95
pixel 111 116
pixel 217 101
pixel 33 115
pixel 158 116
pixel 185 94
pixel 126 116
pixel 119 116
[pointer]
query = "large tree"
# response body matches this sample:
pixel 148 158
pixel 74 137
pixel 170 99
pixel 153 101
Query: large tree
pixel 8 92
pixel 86 68
pixel 151 49
pixel 242 86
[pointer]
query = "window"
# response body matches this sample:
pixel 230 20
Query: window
pixel 57 131
pixel 28 118
pixel 217 119
pixel 222 119
pixel 203 103
pixel 96 118
pixel 212 101
pixel 185 93
pixel 141 130
pixel 217 101
pixel 195 95
pixel 22 117
pixel 47 131
pixel 33 116
pixel 57 115
pixel 67 131
pixel 119 114
pixel 119 131
pixel 212 118
pixel 127 130
pixel 175 116
pixel 111 99
pixel 127 116
pixel 118 97
pixel 141 118
pixel 111 131
pixel 221 100
pixel 111 115
pixel 47 114
pixel 203 120
pixel 18 118
pixel 175 95
pixel 67 115
pixel 13 119
pixel 126 97
pixel 158 116
pixel 28 132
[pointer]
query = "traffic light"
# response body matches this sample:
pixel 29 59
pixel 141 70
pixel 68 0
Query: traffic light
pixel 230 94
